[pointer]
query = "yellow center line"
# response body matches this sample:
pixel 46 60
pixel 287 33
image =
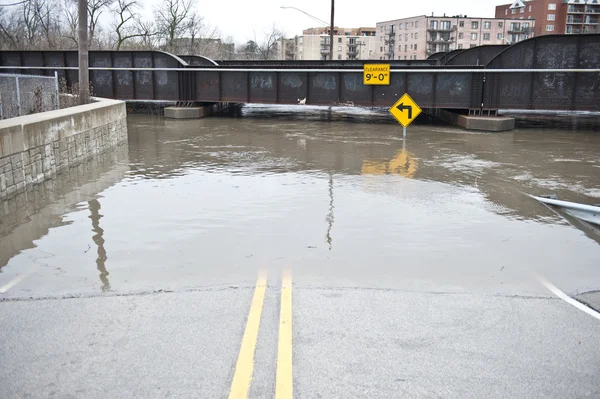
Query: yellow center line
pixel 245 363
pixel 285 383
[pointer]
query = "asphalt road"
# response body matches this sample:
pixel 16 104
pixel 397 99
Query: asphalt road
pixel 347 342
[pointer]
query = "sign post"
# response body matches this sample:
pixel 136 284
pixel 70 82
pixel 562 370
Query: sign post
pixel 405 110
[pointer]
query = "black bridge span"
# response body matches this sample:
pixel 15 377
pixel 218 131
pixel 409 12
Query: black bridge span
pixel 557 72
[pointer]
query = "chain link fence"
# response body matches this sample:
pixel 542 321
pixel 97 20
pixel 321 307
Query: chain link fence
pixel 28 94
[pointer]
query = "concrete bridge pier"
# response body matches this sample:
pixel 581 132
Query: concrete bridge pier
pixel 195 110
pixel 488 121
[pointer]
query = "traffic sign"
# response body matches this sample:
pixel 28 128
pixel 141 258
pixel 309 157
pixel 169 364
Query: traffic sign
pixel 376 74
pixel 405 110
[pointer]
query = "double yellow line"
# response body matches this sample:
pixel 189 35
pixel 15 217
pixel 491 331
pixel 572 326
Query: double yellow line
pixel 242 379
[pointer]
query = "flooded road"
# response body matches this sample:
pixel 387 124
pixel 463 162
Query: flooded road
pixel 204 203
pixel 418 268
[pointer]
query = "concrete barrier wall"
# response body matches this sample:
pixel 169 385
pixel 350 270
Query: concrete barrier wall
pixel 34 148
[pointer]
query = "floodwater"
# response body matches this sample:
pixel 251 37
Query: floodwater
pixel 335 195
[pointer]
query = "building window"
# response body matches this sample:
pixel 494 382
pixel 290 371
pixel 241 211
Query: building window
pixel 412 24
pixel 381 49
pixel 416 35
pixel 474 25
pixel 460 46
pixel 433 25
pixel 405 57
pixel 461 35
pixel 522 10
pixel 506 12
pixel 401 26
pixel 500 36
pixel 486 36
pixel 552 7
pixel 399 38
pixel 500 25
pixel 549 28
pixel 473 36
pixel 339 48
pixel 406 26
pixel 551 17
pixel 513 11
pixel 416 24
pixel 412 35
pixel 339 56
pixel 411 46
pixel 399 47
pixel 472 45
pixel 406 37
pixel 415 47
pixel 405 48
pixel 530 8
pixel 487 25
pixel 382 27
pixel 339 39
pixel 461 24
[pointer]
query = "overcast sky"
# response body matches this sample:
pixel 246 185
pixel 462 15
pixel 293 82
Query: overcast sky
pixel 241 18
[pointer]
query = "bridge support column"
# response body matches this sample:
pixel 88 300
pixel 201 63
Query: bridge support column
pixel 187 112
pixel 475 122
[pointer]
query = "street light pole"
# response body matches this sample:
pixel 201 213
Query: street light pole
pixel 84 73
pixel 331 30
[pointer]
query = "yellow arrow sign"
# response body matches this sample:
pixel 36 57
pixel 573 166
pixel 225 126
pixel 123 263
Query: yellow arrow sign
pixel 405 110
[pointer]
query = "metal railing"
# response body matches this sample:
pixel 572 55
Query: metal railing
pixel 28 94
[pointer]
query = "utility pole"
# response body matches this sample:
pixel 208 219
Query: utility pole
pixel 331 30
pixel 84 72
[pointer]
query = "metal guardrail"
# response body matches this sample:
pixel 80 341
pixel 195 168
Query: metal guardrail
pixel 319 70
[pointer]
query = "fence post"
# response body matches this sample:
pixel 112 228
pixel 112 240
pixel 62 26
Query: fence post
pixel 1 107
pixel 57 91
pixel 18 95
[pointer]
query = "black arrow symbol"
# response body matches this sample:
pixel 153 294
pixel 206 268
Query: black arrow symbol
pixel 403 107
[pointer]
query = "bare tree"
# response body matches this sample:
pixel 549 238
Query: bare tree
pixel 95 9
pixel 267 48
pixel 9 36
pixel 71 20
pixel 172 20
pixel 128 24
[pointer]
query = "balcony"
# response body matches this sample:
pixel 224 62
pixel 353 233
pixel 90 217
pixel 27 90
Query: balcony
pixel 441 28
pixel 575 21
pixel 591 29
pixel 576 9
pixel 352 51
pixel 325 49
pixel 592 9
pixel 440 40
pixel 522 29
pixel 591 21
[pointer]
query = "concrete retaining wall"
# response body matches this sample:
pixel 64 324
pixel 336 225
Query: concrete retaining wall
pixel 34 148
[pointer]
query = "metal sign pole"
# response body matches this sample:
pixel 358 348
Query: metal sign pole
pixel 404 133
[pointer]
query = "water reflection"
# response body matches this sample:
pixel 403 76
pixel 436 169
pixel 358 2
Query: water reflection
pixel 330 216
pixel 30 216
pixel 94 206
pixel 403 164
pixel 503 167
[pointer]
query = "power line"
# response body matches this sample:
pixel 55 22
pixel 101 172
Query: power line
pixel 15 4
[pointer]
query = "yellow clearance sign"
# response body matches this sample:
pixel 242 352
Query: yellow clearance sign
pixel 376 74
pixel 405 110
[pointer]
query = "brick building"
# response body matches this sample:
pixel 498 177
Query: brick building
pixel 418 37
pixel 553 16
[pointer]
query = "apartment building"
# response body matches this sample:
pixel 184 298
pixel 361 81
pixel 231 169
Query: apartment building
pixel 314 44
pixel 416 38
pixel 555 16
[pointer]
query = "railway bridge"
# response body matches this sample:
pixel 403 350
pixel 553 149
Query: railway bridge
pixel 555 72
